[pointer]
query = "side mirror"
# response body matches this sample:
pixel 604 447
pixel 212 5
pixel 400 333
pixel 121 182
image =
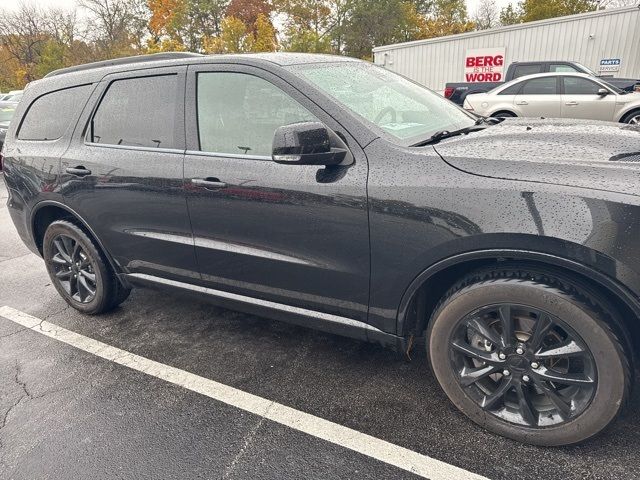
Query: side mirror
pixel 305 143
pixel 603 92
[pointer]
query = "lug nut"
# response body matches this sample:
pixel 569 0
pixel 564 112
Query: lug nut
pixel 525 378
pixel 519 350
pixel 502 356
pixel 535 365
pixel 506 373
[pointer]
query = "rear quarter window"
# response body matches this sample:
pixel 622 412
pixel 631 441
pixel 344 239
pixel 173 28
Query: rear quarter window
pixel 49 116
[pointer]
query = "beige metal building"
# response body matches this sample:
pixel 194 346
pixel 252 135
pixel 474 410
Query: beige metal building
pixel 606 41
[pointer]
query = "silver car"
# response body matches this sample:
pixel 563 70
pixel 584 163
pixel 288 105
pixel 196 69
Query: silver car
pixel 558 95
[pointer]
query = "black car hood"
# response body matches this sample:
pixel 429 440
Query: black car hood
pixel 589 154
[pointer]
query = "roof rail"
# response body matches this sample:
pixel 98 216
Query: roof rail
pixel 124 61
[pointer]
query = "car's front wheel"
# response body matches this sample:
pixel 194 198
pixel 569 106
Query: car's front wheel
pixel 530 356
pixel 79 271
pixel 632 118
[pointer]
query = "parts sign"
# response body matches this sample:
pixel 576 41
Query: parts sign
pixel 484 65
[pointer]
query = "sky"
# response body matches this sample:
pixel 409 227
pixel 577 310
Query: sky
pixel 471 4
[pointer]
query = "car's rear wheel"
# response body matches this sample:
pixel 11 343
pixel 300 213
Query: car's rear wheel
pixel 79 271
pixel 530 357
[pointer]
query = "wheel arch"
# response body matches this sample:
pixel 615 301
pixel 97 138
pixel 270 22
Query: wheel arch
pixel 424 292
pixel 48 211
pixel 503 110
pixel 631 111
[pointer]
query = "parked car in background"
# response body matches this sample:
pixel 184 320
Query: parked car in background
pixel 12 96
pixel 457 92
pixel 6 114
pixel 558 95
pixel 338 195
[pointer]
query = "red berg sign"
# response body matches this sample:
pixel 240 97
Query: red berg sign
pixel 484 65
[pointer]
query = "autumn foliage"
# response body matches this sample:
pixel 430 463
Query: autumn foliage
pixel 34 41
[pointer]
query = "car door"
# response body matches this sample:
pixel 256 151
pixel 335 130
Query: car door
pixel 580 99
pixel 296 235
pixel 123 172
pixel 539 97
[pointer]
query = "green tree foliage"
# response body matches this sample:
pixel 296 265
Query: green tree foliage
pixel 264 38
pixel 541 9
pixel 532 10
pixel 510 15
pixel 307 41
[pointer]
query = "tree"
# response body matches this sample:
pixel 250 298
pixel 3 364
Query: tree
pixel 23 36
pixel 117 26
pixel 533 10
pixel 486 15
pixel 247 11
pixel 265 36
pixel 306 41
pixel 378 22
pixel 234 38
pixel 510 15
pixel 449 17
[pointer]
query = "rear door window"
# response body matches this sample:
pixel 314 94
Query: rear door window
pixel 138 112
pixel 50 115
pixel 512 90
pixel 540 86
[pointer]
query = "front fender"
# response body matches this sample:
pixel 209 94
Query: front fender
pixel 609 273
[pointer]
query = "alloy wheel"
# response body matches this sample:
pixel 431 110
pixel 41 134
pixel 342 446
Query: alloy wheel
pixel 73 269
pixel 523 365
pixel 635 120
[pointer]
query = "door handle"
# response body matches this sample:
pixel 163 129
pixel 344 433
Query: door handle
pixel 78 171
pixel 209 182
pixel 522 102
pixel 571 104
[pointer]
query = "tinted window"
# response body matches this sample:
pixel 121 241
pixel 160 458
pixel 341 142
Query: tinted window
pixel 138 112
pixel 50 115
pixel 239 113
pixel 522 70
pixel 540 86
pixel 580 86
pixel 562 68
pixel 512 90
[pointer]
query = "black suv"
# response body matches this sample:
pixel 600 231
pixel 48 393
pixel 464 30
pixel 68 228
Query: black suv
pixel 335 194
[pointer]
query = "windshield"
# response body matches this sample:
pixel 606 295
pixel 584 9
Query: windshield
pixel 6 114
pixel 405 111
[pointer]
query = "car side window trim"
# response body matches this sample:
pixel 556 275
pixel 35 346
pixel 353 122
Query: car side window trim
pixel 239 156
pixel 108 80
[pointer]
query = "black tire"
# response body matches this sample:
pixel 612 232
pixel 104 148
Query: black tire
pixel 632 118
pixel 121 295
pixel 87 261
pixel 504 115
pixel 574 310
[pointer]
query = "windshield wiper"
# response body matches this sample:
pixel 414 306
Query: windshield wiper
pixel 442 134
pixel 477 125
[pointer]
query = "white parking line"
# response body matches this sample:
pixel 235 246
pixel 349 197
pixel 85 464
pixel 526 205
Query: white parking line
pixel 381 450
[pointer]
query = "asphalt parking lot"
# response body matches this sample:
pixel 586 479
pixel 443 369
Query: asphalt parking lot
pixel 67 413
